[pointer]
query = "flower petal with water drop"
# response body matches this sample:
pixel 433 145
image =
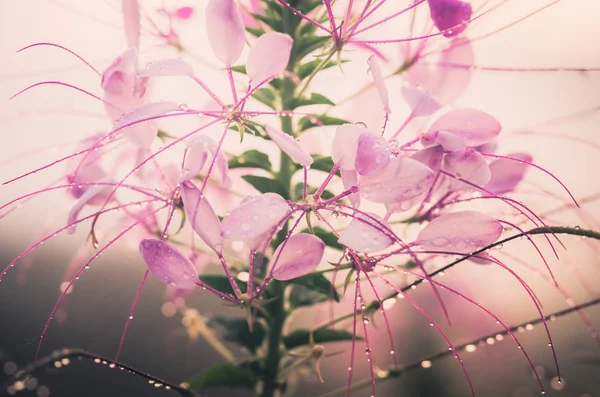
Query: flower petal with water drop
pixel 345 145
pixel 289 146
pixel 461 232
pixel 297 256
pixel 373 153
pixel 473 126
pixel 450 15
pixel 167 67
pixel 168 264
pixel 401 180
pixel 201 216
pixel 366 233
pixel 255 216
pixel 506 174
pixel 468 165
pixel 420 100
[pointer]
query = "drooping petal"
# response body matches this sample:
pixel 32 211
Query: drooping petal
pixel 118 83
pixel 377 75
pixel 506 174
pixel 289 146
pixel 447 140
pixel 365 234
pixel 144 112
pixel 168 265
pixel 350 179
pixel 225 30
pixel 450 14
pixel 445 82
pixel 196 158
pixel 167 67
pixel 268 57
pixel 98 192
pixel 300 255
pixel 345 145
pixel 131 16
pixel 420 100
pixel 373 153
pixel 401 180
pixel 461 232
pixel 201 216
pixel 431 156
pixel 468 165
pixel 143 133
pixel 254 216
pixel 473 126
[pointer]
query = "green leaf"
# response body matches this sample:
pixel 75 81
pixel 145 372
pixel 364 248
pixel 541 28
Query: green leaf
pixel 307 68
pixel 239 69
pixel 312 289
pixel 275 24
pixel 266 96
pixel 221 283
pixel 254 32
pixel 314 99
pixel 251 159
pixel 306 123
pixel 322 163
pixel 266 185
pixel 235 329
pixel 348 280
pixel 306 45
pixel 328 237
pixel 301 337
pixel 228 375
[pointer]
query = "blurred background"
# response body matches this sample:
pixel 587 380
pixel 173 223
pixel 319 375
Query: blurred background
pixel 559 109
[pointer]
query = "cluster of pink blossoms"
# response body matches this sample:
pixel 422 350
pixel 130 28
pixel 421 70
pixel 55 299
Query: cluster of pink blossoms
pixel 420 180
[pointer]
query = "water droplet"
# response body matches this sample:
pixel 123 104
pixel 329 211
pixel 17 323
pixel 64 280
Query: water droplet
pixel 131 317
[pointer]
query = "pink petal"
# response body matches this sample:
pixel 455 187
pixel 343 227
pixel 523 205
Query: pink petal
pixel 143 133
pixel 444 82
pixel 167 67
pixel 350 179
pixel 118 83
pixel 377 74
pixel 345 145
pixel 184 12
pixel 297 256
pixel 447 140
pixel 289 146
pixel 201 216
pixel 431 157
pixel 373 153
pixel 473 126
pixel 84 175
pixel 420 100
pixel 268 57
pixel 225 30
pixel 168 265
pixel 131 16
pixel 365 234
pixel 469 165
pixel 506 174
pixel 461 232
pixel 146 111
pixel 100 192
pixel 255 216
pixel 448 14
pixel 401 180
pixel 195 158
